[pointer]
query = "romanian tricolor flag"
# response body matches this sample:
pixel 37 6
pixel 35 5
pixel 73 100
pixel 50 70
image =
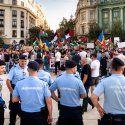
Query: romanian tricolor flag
pixel 40 44
pixel 101 39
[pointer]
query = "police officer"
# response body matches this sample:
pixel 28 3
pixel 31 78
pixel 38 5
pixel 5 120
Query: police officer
pixel 17 73
pixel 46 77
pixel 31 92
pixel 2 102
pixel 71 90
pixel 43 75
pixel 113 87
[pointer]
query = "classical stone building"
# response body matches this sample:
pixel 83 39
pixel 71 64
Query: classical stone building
pixel 86 14
pixel 103 12
pixel 110 11
pixel 16 18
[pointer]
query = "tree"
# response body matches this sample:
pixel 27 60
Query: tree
pixel 94 31
pixel 66 24
pixel 34 31
pixel 117 29
pixel 1 39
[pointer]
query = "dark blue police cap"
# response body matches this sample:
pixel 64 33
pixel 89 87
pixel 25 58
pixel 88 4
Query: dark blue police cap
pixel 118 62
pixel 39 61
pixel 70 64
pixel 23 57
pixel 33 65
pixel 2 63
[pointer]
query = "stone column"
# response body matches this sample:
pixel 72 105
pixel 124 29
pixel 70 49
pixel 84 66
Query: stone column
pixel 121 18
pixel 110 18
pixel 100 17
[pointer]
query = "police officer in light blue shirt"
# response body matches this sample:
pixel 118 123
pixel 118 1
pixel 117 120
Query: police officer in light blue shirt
pixel 71 90
pixel 32 92
pixel 43 75
pixel 17 73
pixel 113 88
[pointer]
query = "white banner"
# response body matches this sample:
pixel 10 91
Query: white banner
pixel 121 45
pixel 52 63
pixel 116 40
pixel 90 45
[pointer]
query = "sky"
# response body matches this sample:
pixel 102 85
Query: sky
pixel 55 10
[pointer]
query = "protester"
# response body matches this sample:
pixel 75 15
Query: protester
pixel 2 102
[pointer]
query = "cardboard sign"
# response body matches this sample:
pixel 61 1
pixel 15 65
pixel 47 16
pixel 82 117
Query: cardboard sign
pixel 121 45
pixel 116 40
pixel 90 45
pixel 52 63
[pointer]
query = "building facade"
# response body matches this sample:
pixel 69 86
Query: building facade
pixel 103 12
pixel 16 18
pixel 86 14
pixel 109 12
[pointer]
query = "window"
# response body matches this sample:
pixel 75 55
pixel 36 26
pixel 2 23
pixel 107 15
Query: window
pixel 83 16
pixel 22 33
pixel 116 14
pixel 1 12
pixel 22 23
pixel 14 2
pixel 14 23
pixel 105 20
pixel 22 14
pixel 1 31
pixel 1 22
pixel 1 1
pixel 14 33
pixel 14 13
pixel 92 15
pixel 83 29
pixel 22 3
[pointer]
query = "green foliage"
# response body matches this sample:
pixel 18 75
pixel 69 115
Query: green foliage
pixel 33 33
pixel 1 39
pixel 66 24
pixel 94 31
pixel 116 29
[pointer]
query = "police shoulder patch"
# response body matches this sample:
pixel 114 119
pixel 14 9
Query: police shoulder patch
pixel 76 77
pixel 59 75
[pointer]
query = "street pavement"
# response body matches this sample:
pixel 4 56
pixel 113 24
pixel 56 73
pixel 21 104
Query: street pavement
pixel 89 118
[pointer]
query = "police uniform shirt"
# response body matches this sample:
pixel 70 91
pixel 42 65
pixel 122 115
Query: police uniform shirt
pixel 113 88
pixel 32 92
pixel 45 76
pixel 17 73
pixel 76 74
pixel 70 89
pixel 1 84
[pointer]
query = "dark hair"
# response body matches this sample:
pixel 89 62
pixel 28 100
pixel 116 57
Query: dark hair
pixel 2 63
pixel 94 55
pixel 117 64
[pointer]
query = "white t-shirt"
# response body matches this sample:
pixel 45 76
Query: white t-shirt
pixel 89 61
pixel 83 54
pixel 122 57
pixel 57 56
pixel 95 65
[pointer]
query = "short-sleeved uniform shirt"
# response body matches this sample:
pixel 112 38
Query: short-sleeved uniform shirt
pixel 76 74
pixel 45 76
pixel 1 85
pixel 70 89
pixel 32 92
pixel 86 70
pixel 17 73
pixel 113 88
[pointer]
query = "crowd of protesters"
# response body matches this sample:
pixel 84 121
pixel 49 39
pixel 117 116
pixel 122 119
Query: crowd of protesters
pixel 91 66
